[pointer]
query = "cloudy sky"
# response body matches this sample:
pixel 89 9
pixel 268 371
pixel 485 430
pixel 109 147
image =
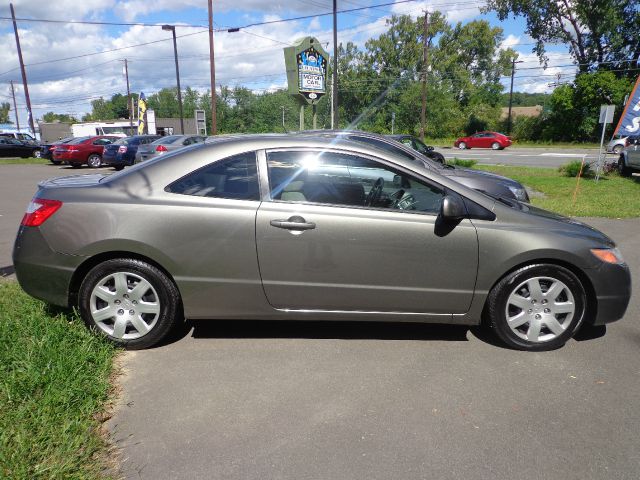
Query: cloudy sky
pixel 251 57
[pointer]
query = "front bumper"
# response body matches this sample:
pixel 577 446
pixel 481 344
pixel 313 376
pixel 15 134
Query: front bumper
pixel 612 285
pixel 42 272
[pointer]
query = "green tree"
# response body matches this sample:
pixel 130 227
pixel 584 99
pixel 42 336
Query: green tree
pixel 601 34
pixel 5 108
pixel 51 117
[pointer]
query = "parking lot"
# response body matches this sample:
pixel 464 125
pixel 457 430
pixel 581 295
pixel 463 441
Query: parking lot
pixel 297 400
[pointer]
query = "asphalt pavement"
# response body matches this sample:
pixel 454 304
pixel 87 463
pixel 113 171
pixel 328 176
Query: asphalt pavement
pixel 526 157
pixel 321 400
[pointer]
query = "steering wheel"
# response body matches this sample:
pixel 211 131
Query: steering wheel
pixel 395 198
pixel 375 193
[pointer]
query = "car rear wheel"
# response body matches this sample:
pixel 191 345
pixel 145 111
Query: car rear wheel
pixel 496 146
pixel 537 307
pixel 94 160
pixel 132 303
pixel 462 145
pixel 37 153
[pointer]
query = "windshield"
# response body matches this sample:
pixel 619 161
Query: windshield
pixel 166 140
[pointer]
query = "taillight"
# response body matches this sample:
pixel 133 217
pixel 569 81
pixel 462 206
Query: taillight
pixel 161 148
pixel 39 210
pixel 122 149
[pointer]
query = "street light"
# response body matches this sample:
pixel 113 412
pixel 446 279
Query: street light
pixel 172 28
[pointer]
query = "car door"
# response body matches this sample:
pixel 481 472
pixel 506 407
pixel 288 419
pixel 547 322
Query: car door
pixel 325 244
pixel 5 148
pixel 475 140
pixel 633 152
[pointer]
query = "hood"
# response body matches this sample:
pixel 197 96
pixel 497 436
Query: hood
pixel 559 223
pixel 72 181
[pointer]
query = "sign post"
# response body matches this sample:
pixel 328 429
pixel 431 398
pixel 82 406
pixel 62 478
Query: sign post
pixel 606 116
pixel 306 64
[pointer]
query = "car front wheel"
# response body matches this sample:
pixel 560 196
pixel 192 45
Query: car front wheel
pixel 622 168
pixel 37 153
pixel 537 307
pixel 132 303
pixel 462 145
pixel 618 149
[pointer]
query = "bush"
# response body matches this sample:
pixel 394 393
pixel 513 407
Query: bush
pixel 463 163
pixel 572 169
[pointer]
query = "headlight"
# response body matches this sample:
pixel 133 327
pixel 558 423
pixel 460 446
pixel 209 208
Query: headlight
pixel 608 255
pixel 519 193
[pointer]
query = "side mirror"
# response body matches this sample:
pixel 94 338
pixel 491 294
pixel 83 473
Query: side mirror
pixel 453 208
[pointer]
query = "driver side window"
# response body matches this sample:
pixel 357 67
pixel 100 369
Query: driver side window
pixel 347 180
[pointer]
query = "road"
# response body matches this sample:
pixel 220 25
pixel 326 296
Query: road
pixel 529 157
pixel 298 400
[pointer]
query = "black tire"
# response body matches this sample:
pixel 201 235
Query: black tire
pixel 618 149
pixel 94 160
pixel 463 146
pixel 37 153
pixel 498 303
pixel 168 299
pixel 496 146
pixel 117 168
pixel 623 170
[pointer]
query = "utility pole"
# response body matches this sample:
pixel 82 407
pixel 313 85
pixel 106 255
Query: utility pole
pixel 129 104
pixel 15 107
pixel 334 83
pixel 172 29
pixel 423 112
pixel 513 71
pixel 212 64
pixel 24 73
pixel 282 106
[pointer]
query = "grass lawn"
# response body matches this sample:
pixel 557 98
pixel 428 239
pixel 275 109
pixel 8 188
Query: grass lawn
pixel 613 196
pixel 54 383
pixel 23 161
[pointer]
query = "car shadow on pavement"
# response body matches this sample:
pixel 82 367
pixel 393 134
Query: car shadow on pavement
pixel 344 330
pixel 6 271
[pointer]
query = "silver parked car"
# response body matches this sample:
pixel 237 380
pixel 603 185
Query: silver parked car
pixel 166 144
pixel 629 160
pixel 309 228
pixel 616 145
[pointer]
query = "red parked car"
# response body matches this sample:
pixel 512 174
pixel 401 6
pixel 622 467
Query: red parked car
pixel 494 140
pixel 83 150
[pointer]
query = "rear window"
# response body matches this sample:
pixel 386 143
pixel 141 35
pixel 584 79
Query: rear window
pixel 123 141
pixel 78 140
pixel 167 140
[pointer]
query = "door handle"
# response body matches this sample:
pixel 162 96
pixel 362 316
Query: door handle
pixel 293 223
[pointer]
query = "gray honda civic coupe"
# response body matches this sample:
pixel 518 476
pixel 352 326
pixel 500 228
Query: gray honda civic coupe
pixel 309 228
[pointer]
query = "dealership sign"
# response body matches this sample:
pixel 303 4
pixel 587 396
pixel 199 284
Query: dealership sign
pixel 306 63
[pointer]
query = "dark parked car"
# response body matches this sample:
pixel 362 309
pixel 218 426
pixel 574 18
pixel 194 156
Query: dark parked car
pixel 486 182
pixel 83 150
pixel 419 145
pixel 298 227
pixel 166 144
pixel 123 152
pixel 629 160
pixel 494 140
pixel 48 148
pixel 10 147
